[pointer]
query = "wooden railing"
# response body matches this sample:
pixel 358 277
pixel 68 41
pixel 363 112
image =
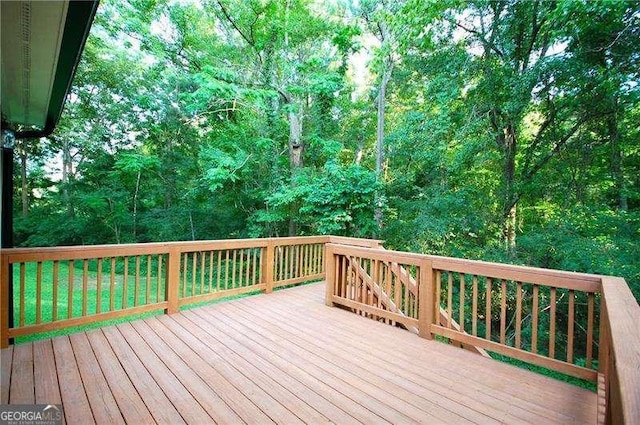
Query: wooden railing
pixel 60 287
pixel 581 325
pixel 619 378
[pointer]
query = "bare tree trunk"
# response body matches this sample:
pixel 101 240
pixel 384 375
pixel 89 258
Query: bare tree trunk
pixel 135 205
pixel 193 230
pixel 23 176
pixel 295 140
pixel 296 149
pixel 386 76
pixel 67 171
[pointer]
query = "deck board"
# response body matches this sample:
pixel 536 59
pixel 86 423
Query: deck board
pixel 102 402
pixel 47 389
pixel 6 359
pixel 278 358
pixel 72 391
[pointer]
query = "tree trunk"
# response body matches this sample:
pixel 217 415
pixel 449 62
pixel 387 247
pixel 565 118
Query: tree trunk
pixel 23 176
pixel 386 76
pixel 507 140
pixel 358 157
pixel 135 205
pixel 296 149
pixel 295 140
pixel 67 171
pixel 617 172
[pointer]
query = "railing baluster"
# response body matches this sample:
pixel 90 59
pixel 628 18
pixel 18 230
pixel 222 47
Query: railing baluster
pixel 219 271
pixel 518 314
pixel 210 271
pixel 534 320
pixel 487 318
pixel 194 272
pixel 438 284
pixel 388 278
pixel 255 261
pixel 279 261
pixel 343 286
pixel 552 323
pixel 407 300
pixel 474 307
pixel 377 280
pixel 590 308
pixel 203 258
pixel 22 293
pixel 56 271
pixel 570 326
pixel 85 285
pixel 240 267
pixel 185 262
pixel 291 257
pixel 248 268
pixel 503 313
pixel 125 283
pixel 112 284
pixel 363 288
pixel 70 290
pixel 461 302
pixel 99 287
pixel 39 292
pixel 286 255
pixel 226 270
pixel 159 277
pixel 449 298
pixel 147 295
pixel 234 268
pixel 136 287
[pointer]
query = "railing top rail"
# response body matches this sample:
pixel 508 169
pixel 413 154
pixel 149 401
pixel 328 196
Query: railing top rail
pixel 556 278
pixel 379 254
pixel 94 251
pixel 343 240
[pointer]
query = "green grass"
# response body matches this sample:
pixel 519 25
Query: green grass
pixel 71 282
pixel 93 298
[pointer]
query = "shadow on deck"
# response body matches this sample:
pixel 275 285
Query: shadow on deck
pixel 281 358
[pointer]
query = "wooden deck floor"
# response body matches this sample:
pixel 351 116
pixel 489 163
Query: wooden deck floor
pixel 278 358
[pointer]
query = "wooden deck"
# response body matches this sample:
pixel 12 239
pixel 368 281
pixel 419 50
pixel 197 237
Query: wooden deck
pixel 278 358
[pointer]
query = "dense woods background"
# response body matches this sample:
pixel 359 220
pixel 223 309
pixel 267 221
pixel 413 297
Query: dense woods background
pixel 497 130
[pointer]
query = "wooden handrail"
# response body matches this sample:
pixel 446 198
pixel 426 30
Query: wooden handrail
pixel 620 352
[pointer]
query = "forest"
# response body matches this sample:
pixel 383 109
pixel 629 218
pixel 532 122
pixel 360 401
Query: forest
pixel 497 130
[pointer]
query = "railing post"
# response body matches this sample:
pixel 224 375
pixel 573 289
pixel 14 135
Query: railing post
pixel 4 301
pixel 426 300
pixel 268 266
pixel 172 286
pixel 330 274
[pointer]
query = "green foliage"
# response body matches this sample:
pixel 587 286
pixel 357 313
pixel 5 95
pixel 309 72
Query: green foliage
pixel 178 128
pixel 333 200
